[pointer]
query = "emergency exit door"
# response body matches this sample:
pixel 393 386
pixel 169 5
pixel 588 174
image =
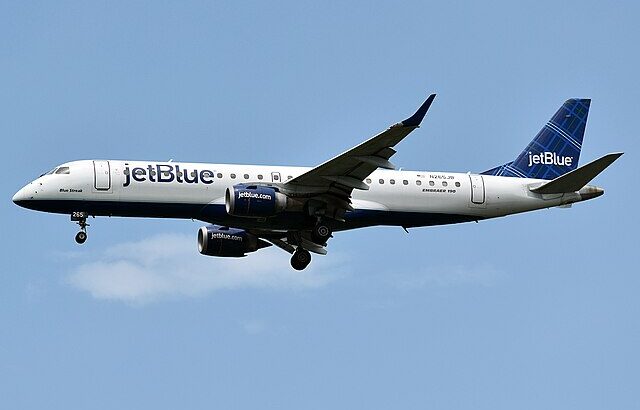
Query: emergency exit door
pixel 477 189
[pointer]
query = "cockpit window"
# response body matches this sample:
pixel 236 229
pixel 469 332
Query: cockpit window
pixel 51 172
pixel 62 170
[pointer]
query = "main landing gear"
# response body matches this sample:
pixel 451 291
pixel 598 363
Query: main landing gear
pixel 300 259
pixel 321 232
pixel 81 219
pixel 319 236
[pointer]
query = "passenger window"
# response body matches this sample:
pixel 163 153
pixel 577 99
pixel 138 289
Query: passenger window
pixel 246 176
pixel 260 177
pixel 381 181
pixel 233 176
pixel 418 182
pixel 444 183
pixel 431 183
pixel 219 175
pixel 368 180
pixel 405 182
pixel 458 184
pixel 62 170
pixel 392 181
pixel 289 177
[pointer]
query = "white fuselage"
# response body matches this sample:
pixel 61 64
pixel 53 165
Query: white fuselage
pixel 197 191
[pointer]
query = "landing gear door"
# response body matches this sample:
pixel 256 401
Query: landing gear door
pixel 102 176
pixel 477 190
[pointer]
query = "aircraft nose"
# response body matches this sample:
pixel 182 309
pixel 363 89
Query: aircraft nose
pixel 22 196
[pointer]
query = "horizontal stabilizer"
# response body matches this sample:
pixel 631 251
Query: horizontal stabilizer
pixel 574 180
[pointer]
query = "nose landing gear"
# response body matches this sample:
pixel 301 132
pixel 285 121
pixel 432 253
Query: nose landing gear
pixel 81 237
pixel 81 219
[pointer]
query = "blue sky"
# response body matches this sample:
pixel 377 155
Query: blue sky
pixel 531 311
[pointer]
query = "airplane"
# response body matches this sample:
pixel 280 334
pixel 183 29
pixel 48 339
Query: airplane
pixel 250 207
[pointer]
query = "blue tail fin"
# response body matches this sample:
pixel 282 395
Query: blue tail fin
pixel 555 150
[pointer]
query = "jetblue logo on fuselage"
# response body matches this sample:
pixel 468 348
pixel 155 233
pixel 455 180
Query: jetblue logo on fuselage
pixel 166 173
pixel 549 158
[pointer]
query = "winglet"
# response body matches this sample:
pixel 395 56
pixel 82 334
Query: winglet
pixel 416 119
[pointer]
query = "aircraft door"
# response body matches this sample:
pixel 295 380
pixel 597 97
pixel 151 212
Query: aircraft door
pixel 477 189
pixel 101 175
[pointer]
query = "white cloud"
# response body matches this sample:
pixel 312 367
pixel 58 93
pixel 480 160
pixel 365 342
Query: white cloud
pixel 169 266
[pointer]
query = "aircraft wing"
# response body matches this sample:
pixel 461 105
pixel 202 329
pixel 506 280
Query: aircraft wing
pixel 332 182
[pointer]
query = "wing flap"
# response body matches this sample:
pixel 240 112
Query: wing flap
pixel 349 182
pixel 375 160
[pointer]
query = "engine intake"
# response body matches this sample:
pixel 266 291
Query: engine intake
pixel 217 240
pixel 254 201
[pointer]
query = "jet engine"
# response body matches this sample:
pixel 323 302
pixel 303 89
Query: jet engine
pixel 254 201
pixel 215 240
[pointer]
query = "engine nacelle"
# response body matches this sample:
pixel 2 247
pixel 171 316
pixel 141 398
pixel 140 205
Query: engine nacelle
pixel 214 240
pixel 254 201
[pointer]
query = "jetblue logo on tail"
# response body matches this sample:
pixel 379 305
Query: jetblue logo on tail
pixel 549 158
pixel 555 150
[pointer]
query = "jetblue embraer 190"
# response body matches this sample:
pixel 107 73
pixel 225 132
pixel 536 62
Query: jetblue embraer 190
pixel 249 207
